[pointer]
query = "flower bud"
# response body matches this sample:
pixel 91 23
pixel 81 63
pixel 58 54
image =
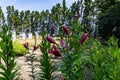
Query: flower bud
pixel 55 53
pixel 35 48
pixel 26 45
pixel 84 36
pixel 66 30
pixel 50 39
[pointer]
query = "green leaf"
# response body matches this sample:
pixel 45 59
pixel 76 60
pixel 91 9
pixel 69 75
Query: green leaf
pixel 2 67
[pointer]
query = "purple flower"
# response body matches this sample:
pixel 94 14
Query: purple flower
pixel 66 30
pixel 26 45
pixel 35 48
pixel 55 51
pixel 84 36
pixel 50 39
pixel 62 43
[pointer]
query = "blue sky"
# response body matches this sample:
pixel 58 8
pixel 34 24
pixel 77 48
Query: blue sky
pixel 32 5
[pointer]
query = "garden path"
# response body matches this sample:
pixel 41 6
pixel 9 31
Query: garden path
pixel 24 68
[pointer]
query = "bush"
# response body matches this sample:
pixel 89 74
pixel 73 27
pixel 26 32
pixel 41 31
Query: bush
pixel 19 49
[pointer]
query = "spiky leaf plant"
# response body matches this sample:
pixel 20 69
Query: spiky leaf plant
pixel 7 57
pixel 46 65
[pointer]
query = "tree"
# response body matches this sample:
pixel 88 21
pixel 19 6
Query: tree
pixel 10 16
pixel 22 16
pixel 2 18
pixel 103 5
pixel 16 19
pixel 47 20
pixel 108 21
pixel 86 21
pixel 104 14
pixel 27 19
pixel 36 20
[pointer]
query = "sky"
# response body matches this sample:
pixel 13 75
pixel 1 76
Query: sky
pixel 32 5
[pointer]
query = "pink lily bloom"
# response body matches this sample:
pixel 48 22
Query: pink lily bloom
pixel 35 48
pixel 84 36
pixel 26 45
pixel 50 39
pixel 55 51
pixel 62 43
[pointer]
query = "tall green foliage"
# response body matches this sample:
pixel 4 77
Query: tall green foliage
pixel 46 65
pixel 105 60
pixel 72 65
pixel 32 66
pixel 6 54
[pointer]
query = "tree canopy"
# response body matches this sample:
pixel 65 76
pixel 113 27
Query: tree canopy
pixel 108 21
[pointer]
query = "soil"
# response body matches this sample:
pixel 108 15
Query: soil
pixel 24 67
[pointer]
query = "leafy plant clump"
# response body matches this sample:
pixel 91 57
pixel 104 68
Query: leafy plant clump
pixel 19 49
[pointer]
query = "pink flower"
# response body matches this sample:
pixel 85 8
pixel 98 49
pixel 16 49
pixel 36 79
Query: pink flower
pixel 50 39
pixel 26 45
pixel 54 27
pixel 35 48
pixel 66 30
pixel 84 36
pixel 55 51
pixel 62 43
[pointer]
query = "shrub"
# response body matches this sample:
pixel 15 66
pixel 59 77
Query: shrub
pixel 19 49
